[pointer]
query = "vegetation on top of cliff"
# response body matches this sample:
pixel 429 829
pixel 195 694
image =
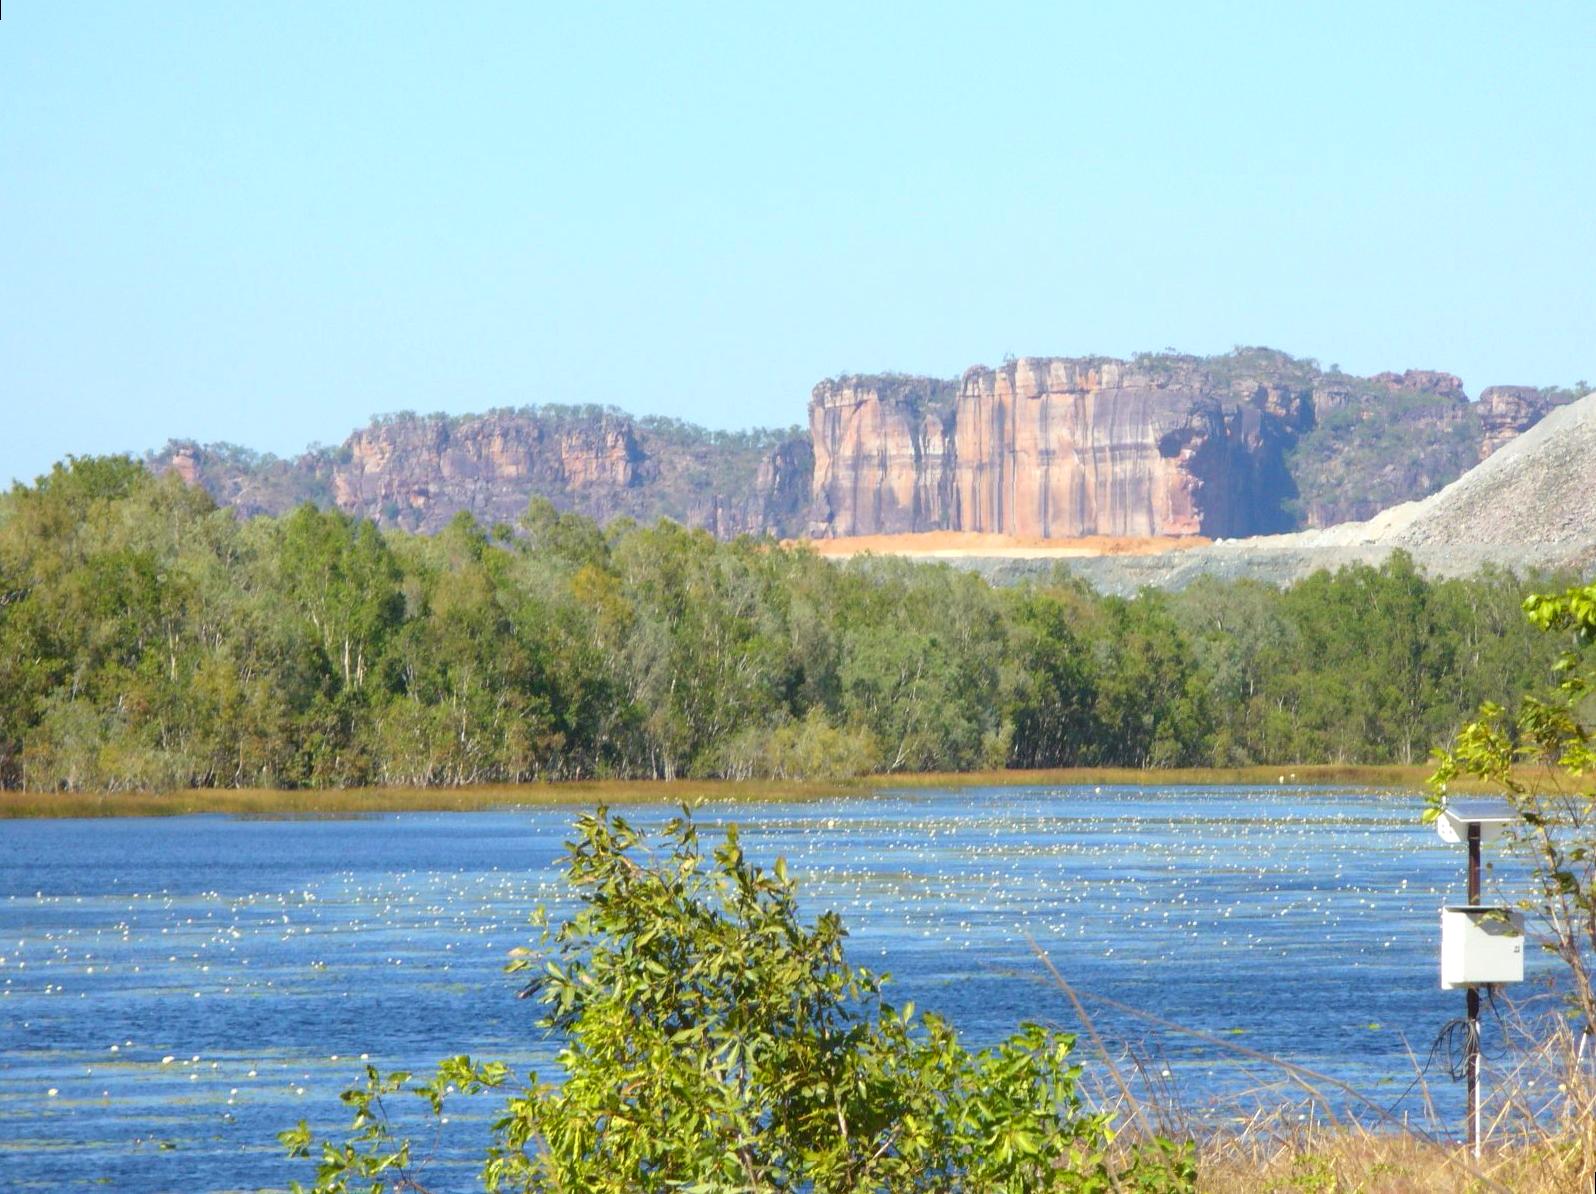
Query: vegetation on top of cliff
pixel 1356 445
pixel 1241 363
pixel 671 430
pixel 753 439
pixel 664 428
pixel 712 461
pixel 923 396
pixel 1560 395
pixel 150 640
pixel 226 454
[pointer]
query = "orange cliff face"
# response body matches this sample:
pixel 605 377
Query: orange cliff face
pixel 1067 448
pixel 1048 448
pixel 1508 411
pixel 880 455
pixel 433 467
pixel 418 472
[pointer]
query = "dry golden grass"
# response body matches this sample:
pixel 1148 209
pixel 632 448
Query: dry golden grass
pixel 1350 774
pixel 347 802
pixel 1286 1136
pixel 354 802
pixel 1354 1160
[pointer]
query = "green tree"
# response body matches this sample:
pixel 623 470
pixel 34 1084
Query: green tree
pixel 1152 707
pixel 1049 686
pixel 472 700
pixel 341 576
pixel 920 665
pixel 148 639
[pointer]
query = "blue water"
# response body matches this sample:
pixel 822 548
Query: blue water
pixel 173 992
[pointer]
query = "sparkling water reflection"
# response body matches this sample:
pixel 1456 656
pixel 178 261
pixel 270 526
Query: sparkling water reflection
pixel 175 991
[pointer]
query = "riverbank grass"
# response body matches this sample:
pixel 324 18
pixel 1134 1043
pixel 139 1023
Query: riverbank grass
pixel 354 802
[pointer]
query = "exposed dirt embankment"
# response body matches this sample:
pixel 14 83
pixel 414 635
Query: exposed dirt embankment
pixel 959 545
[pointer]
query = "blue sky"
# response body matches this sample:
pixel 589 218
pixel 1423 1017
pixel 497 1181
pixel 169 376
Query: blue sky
pixel 263 223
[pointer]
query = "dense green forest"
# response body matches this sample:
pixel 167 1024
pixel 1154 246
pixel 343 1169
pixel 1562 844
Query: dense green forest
pixel 151 640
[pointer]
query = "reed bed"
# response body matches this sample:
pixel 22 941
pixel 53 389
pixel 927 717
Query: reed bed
pixel 1301 1132
pixel 348 802
pixel 354 802
pixel 1355 775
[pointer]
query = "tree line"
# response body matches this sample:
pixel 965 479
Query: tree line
pixel 149 639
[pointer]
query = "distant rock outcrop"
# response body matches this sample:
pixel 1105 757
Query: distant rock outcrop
pixel 1249 442
pixel 1509 411
pixel 881 461
pixel 1530 504
pixel 1048 447
pixel 249 482
pixel 418 472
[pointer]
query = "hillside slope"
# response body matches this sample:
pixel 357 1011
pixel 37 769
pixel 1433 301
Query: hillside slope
pixel 1531 504
pixel 1537 492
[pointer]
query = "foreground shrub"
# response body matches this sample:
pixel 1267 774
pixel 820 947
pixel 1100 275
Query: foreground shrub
pixel 714 1042
pixel 1543 761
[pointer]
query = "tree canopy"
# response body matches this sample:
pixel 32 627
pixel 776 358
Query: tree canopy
pixel 150 640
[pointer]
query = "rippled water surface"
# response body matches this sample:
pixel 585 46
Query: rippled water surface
pixel 173 992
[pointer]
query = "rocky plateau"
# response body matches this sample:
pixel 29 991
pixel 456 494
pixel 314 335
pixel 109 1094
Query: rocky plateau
pixel 1252 442
pixel 1530 505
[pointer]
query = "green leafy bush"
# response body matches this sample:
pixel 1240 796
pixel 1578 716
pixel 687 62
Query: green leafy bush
pixel 714 1042
pixel 1543 759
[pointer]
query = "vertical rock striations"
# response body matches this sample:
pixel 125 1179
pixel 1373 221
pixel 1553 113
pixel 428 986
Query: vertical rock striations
pixel 1063 448
pixel 880 454
pixel 1049 447
pixel 1248 442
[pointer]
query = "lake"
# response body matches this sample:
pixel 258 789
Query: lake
pixel 173 992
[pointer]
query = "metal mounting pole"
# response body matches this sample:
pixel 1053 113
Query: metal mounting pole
pixel 1472 995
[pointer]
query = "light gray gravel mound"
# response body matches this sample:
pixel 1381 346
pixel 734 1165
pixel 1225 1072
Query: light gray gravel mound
pixel 1530 506
pixel 1537 489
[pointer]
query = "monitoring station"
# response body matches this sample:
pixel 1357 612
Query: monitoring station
pixel 1482 945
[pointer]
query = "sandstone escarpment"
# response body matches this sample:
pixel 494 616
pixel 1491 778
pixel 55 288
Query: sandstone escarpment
pixel 1065 448
pixel 1252 441
pixel 1506 412
pixel 418 472
pixel 1048 447
pixel 880 455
